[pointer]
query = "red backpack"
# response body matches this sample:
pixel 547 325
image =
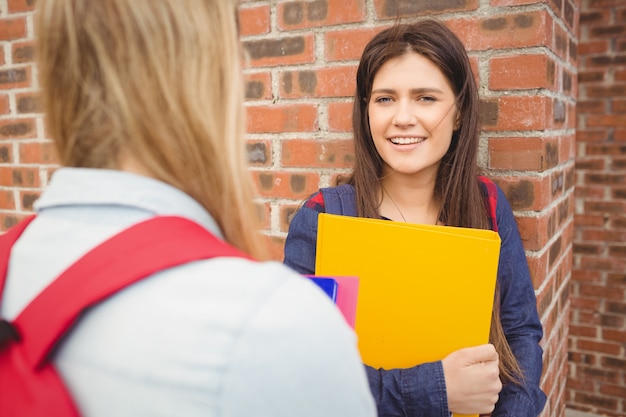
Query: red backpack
pixel 29 384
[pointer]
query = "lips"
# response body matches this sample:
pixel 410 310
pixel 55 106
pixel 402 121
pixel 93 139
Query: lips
pixel 406 140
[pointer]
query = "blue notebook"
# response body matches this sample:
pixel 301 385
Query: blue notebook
pixel 329 285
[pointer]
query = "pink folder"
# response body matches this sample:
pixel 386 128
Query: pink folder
pixel 347 295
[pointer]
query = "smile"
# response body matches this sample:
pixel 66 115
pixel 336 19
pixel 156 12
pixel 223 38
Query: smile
pixel 406 141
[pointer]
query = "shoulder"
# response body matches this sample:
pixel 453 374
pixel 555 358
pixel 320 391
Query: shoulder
pixel 296 334
pixel 330 197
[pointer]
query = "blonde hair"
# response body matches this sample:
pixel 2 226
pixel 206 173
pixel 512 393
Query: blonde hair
pixel 159 81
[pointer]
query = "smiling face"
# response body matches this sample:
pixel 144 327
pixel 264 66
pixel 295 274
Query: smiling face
pixel 412 114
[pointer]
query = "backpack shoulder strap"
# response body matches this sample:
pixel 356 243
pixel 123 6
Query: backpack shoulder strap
pixel 491 200
pixel 7 240
pixel 133 254
pixel 340 200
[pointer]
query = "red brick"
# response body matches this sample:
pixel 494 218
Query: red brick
pixel 27 103
pixel 591 107
pixel 523 153
pixel 286 213
pixel 584 331
pixel 608 91
pixel 7 200
pixel 588 304
pixel 601 291
pixel 591 135
pixel 595 16
pixel 274 247
pixel 594 277
pixel 516 113
pixel 27 198
pixel 11 29
pixel 608 348
pixel 4 104
pixel 258 86
pixel 538 266
pixel 259 152
pixel 292 185
pixel 284 118
pixel 614 335
pixel 318 153
pixel 264 212
pixel 6 154
pixel 613 390
pixel 340 116
pixel 386 9
pixel 526 193
pixel 15 78
pixel 323 82
pixel 281 51
pixel 16 6
pixel 518 72
pixel 347 44
pixel 619 106
pixel 8 220
pixel 514 30
pixel 254 20
pixel 596 46
pixel 19 177
pixel 38 153
pixel 23 52
pixel 497 3
pixel 613 120
pixel 606 149
pixel 307 14
pixel 17 128
pixel 534 232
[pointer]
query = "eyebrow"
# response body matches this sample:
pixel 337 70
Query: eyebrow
pixel 413 90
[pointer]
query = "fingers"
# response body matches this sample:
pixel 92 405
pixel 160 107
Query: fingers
pixel 472 379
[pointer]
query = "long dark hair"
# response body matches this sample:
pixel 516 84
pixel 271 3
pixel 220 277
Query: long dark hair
pixel 457 186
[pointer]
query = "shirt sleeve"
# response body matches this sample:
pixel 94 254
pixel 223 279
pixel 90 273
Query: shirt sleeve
pixel 301 358
pixel 300 245
pixel 520 320
pixel 419 391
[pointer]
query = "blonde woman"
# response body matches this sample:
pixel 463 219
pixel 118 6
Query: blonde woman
pixel 143 99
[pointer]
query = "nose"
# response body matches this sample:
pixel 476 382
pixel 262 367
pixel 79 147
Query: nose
pixel 404 115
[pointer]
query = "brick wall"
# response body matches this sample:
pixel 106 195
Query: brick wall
pixel 25 156
pixel 597 369
pixel 302 60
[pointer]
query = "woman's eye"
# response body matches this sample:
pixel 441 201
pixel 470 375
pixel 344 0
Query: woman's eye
pixel 382 99
pixel 426 98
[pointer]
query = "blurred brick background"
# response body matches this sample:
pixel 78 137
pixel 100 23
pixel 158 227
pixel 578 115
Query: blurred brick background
pixel 552 77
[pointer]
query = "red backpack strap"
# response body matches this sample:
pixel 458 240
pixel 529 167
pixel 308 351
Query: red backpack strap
pixel 6 244
pixel 7 240
pixel 133 254
pixel 491 199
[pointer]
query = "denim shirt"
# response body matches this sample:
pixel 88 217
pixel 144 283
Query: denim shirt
pixel 421 390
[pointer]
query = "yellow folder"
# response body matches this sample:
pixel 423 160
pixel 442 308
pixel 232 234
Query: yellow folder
pixel 424 291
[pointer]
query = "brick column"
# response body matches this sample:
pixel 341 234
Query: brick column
pixel 26 159
pixel 597 377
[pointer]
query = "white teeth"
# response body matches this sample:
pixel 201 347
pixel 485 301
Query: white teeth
pixel 406 141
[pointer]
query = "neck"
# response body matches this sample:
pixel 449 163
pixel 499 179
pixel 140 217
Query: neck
pixel 409 202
